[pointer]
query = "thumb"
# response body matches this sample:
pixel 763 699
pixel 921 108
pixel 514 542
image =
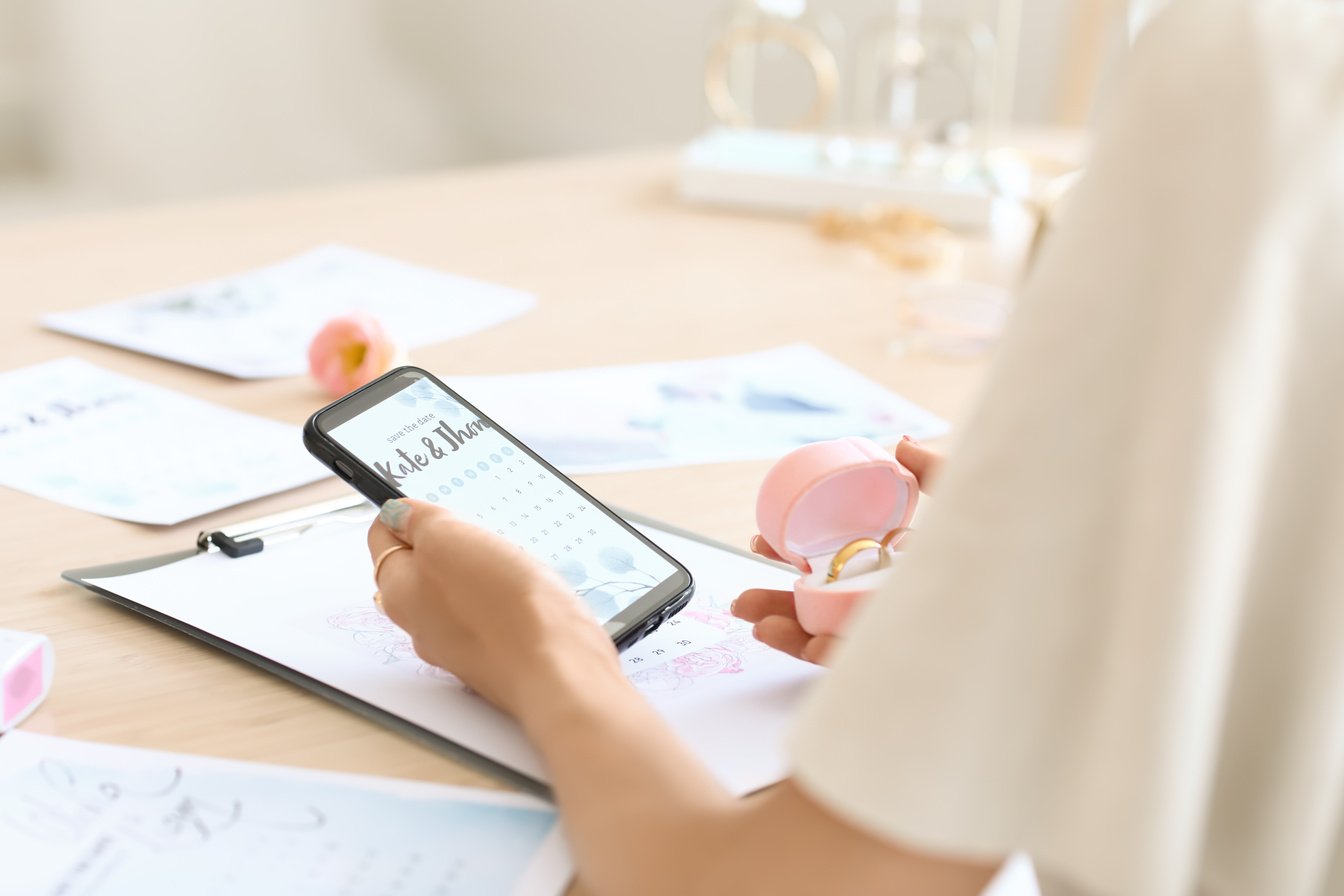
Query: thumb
pixel 406 517
pixel 923 462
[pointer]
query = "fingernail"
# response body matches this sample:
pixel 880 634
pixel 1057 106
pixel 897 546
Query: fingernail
pixel 755 540
pixel 732 608
pixel 394 513
pixel 908 439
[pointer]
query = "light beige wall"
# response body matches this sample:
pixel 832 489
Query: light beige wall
pixel 17 125
pixel 165 98
pixel 177 98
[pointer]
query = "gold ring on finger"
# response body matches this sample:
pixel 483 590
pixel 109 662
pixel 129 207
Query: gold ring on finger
pixel 378 563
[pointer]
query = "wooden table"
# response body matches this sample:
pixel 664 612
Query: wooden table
pixel 623 270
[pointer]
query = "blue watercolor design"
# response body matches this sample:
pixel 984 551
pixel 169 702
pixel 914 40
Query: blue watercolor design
pixel 778 402
pixel 572 571
pixel 424 392
pixel 618 560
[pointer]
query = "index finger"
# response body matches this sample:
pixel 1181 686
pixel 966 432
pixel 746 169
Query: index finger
pixel 923 462
pixel 385 580
pixel 381 538
pixel 758 603
pixel 762 547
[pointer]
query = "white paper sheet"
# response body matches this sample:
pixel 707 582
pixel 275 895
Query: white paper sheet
pixel 306 604
pixel 742 407
pixel 84 819
pixel 259 323
pixel 98 441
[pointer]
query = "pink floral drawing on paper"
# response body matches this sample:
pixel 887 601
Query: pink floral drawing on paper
pixel 713 618
pixel 724 658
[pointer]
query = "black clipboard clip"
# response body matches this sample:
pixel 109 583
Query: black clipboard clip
pixel 250 537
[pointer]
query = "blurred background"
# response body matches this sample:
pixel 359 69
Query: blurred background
pixel 140 101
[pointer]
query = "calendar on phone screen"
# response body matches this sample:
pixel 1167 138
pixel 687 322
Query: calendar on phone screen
pixel 430 447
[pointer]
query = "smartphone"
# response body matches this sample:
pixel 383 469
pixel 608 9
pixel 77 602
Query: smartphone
pixel 406 434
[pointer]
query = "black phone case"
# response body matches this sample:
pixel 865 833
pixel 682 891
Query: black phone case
pixel 357 475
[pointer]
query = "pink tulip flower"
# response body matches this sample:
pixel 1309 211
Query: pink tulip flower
pixel 351 350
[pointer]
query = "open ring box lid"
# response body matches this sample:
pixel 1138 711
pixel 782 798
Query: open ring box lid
pixel 818 498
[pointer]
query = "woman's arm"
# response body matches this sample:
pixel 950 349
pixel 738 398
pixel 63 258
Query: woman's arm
pixel 642 814
pixel 645 817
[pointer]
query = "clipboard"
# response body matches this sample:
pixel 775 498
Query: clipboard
pixel 254 536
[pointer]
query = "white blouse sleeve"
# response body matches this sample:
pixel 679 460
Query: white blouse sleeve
pixel 1118 641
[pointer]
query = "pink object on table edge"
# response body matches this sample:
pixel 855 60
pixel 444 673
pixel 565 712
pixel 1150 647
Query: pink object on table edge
pixel 25 683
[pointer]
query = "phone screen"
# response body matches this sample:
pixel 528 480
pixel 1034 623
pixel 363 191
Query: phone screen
pixel 427 444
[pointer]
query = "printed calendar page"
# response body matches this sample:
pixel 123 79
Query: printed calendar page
pixel 429 446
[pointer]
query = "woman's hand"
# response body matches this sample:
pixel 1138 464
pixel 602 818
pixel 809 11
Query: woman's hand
pixel 478 606
pixel 772 612
pixel 776 624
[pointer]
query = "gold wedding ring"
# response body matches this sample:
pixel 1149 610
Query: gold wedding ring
pixel 797 38
pixel 859 545
pixel 378 565
pixel 849 552
pixel 890 540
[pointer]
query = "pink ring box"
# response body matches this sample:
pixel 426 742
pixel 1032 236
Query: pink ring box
pixel 818 498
